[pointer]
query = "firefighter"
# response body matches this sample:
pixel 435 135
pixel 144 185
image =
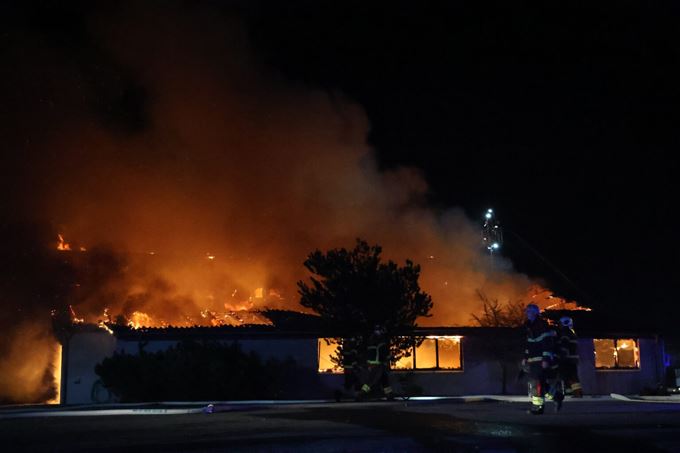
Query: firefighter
pixel 377 365
pixel 568 357
pixel 350 363
pixel 539 359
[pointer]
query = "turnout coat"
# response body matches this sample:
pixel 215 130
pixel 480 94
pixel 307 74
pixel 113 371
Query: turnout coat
pixel 541 347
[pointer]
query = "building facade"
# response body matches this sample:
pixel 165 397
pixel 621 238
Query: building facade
pixel 448 362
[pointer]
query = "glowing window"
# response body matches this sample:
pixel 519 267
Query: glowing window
pixel 404 363
pixel 617 353
pixel 426 354
pixel 449 353
pixel 435 353
pixel 328 349
pixel 627 353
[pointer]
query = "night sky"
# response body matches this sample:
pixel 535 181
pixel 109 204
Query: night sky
pixel 563 118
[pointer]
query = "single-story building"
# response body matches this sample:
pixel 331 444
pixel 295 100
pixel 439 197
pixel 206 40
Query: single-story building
pixel 450 361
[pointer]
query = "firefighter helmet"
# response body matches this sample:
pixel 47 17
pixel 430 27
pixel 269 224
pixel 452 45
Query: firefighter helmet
pixel 566 321
pixel 534 308
pixel 532 311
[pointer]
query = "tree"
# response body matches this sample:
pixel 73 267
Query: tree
pixel 504 349
pixel 497 315
pixel 353 291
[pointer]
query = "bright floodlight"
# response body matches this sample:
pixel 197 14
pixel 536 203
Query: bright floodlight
pixel 492 233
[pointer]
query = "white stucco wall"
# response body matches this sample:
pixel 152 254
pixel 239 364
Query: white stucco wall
pixel 79 381
pixel 623 381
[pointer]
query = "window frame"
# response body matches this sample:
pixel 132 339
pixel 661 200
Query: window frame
pixel 616 366
pixel 437 368
pixel 329 371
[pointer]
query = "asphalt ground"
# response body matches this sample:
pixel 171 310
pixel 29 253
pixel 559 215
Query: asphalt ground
pixel 465 425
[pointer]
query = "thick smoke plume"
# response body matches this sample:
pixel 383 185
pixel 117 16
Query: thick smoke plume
pixel 193 175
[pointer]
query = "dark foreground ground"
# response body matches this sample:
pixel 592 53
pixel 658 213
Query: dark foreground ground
pixel 593 424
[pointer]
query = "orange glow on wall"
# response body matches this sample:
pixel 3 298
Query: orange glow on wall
pixel 56 366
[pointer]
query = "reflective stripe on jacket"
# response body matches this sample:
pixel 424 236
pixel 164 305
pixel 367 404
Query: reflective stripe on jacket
pixel 568 344
pixel 377 354
pixel 540 342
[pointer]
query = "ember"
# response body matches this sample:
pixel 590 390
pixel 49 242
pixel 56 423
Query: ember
pixel 62 245
pixel 74 318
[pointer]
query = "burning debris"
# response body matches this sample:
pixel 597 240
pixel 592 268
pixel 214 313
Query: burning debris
pixel 62 245
pixel 546 300
pixel 138 319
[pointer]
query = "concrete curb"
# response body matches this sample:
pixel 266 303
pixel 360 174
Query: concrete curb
pixel 671 399
pixel 208 407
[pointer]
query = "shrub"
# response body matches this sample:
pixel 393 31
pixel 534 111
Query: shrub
pixel 195 371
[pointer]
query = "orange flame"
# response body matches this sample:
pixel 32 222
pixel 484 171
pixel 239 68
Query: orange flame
pixel 103 325
pixel 62 245
pixel 74 318
pixel 545 299
pixel 140 319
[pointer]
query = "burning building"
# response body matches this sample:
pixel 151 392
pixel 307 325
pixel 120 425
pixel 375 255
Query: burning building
pixel 170 196
pixel 450 361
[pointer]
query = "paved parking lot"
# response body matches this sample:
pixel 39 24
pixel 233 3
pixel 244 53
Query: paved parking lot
pixel 591 424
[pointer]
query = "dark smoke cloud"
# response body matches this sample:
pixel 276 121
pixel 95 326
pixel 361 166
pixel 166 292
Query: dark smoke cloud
pixel 155 138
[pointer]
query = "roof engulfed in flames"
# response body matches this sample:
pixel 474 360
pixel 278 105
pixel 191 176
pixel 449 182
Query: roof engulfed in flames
pixel 238 308
pixel 546 300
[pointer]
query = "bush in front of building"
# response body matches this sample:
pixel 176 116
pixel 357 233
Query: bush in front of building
pixel 195 371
